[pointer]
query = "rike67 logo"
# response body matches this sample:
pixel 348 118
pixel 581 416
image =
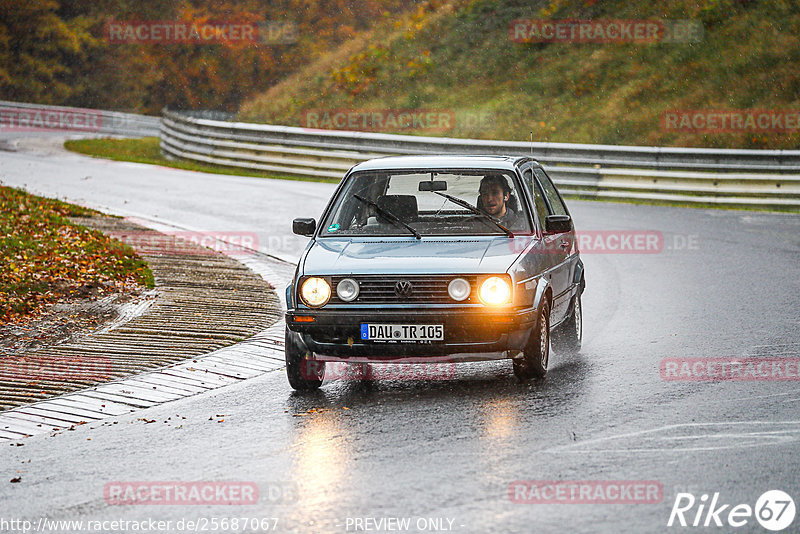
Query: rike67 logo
pixel 774 510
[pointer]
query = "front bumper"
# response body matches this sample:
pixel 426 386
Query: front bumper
pixel 336 332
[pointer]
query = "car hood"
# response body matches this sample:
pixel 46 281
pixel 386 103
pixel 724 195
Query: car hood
pixel 409 256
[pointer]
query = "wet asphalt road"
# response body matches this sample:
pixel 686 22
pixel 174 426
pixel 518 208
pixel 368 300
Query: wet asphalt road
pixel 726 285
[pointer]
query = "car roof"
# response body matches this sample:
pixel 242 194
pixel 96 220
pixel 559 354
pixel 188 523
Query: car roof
pixel 441 162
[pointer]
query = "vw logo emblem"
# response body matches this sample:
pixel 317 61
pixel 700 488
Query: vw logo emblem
pixel 403 288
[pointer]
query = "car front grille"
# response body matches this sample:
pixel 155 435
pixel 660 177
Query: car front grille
pixel 427 289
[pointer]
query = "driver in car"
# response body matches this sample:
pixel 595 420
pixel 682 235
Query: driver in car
pixel 497 200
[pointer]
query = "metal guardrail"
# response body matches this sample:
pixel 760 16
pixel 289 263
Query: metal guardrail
pixel 724 177
pixel 23 117
pixel 755 178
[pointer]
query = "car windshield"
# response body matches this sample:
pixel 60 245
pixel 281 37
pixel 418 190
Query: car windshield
pixel 418 203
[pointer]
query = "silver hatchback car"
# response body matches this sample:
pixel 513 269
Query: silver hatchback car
pixel 432 259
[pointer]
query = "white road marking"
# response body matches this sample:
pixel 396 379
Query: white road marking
pixel 735 440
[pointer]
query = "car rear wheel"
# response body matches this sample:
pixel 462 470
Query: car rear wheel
pixel 304 374
pixel 568 337
pixel 536 356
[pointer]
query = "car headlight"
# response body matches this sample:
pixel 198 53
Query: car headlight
pixel 315 291
pixel 458 289
pixel 495 290
pixel 347 290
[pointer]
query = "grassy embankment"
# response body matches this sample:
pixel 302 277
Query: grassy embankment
pixel 460 59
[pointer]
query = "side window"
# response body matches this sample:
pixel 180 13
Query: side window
pixel 527 177
pixel 535 193
pixel 541 205
pixel 552 195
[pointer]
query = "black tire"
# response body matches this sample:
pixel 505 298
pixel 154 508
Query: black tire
pixel 304 374
pixel 568 337
pixel 536 356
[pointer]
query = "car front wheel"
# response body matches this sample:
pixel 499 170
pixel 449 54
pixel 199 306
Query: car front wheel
pixel 304 374
pixel 568 336
pixel 536 356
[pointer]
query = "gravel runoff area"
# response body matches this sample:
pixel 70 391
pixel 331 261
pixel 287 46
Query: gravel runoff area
pixel 203 301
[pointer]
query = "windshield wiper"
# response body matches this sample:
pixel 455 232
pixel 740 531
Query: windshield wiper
pixel 476 211
pixel 389 215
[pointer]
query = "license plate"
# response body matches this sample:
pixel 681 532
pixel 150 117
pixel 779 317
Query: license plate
pixel 418 333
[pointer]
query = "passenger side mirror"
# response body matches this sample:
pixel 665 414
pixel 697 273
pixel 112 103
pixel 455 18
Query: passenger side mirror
pixel 304 227
pixel 557 224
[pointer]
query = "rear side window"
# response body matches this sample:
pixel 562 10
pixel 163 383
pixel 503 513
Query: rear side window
pixel 556 203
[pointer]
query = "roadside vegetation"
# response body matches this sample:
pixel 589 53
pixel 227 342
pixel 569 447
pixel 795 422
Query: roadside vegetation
pixel 457 57
pixel 47 258
pixel 450 56
pixel 60 52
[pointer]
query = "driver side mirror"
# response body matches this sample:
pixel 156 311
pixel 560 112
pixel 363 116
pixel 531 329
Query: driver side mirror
pixel 304 227
pixel 557 224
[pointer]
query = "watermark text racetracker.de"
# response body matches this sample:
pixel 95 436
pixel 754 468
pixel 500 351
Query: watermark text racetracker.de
pixel 188 242
pixel 619 242
pixel 703 121
pixel 388 120
pixel 633 241
pixel 605 31
pixel 616 242
pixel 61 119
pixel 381 371
pixel 586 492
pixel 168 32
pixel 176 492
pixel 30 367
pixel 731 368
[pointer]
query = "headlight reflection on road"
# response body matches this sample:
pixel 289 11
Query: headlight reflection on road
pixel 500 419
pixel 499 432
pixel 320 460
